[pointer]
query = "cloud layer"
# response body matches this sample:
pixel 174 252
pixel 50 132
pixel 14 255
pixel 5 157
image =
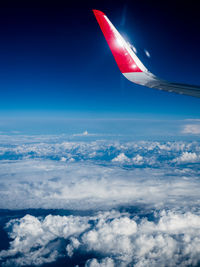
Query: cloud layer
pixel 133 203
pixel 51 184
pixel 45 172
pixel 169 238
pixel 147 153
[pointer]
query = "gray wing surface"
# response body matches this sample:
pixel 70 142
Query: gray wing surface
pixel 179 88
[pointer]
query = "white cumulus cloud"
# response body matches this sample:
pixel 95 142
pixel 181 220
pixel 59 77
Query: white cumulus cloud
pixel 171 239
pixel 33 238
pixel 121 158
pixel 107 262
pixel 138 159
pixel 187 157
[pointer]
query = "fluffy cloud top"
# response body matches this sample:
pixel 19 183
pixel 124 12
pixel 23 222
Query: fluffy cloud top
pixel 107 262
pixel 138 159
pixel 119 239
pixel 121 158
pixel 187 157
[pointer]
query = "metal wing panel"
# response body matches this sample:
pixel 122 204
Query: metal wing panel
pixel 179 88
pixel 149 80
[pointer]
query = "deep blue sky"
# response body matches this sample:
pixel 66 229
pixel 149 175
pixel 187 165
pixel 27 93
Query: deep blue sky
pixel 55 60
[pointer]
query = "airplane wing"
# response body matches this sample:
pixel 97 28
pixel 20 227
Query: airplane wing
pixel 130 65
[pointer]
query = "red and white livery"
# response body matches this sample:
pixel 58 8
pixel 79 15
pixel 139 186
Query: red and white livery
pixel 130 65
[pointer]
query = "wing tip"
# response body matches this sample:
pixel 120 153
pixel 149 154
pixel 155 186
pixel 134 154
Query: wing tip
pixel 98 12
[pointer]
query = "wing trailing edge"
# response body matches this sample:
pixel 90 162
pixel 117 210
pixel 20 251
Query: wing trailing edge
pixel 130 65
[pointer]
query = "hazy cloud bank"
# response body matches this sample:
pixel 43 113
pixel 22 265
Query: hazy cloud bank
pixel 55 184
pixel 45 172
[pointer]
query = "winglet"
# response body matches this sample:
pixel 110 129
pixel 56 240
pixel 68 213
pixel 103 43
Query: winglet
pixel 130 65
pixel 98 12
pixel 125 58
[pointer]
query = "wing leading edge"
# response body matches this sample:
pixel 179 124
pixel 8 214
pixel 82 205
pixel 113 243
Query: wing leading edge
pixel 130 65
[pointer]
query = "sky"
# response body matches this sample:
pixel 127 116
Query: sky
pixel 54 60
pixel 94 170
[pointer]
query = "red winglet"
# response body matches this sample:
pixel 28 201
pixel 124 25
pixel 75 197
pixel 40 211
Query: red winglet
pixel 117 45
